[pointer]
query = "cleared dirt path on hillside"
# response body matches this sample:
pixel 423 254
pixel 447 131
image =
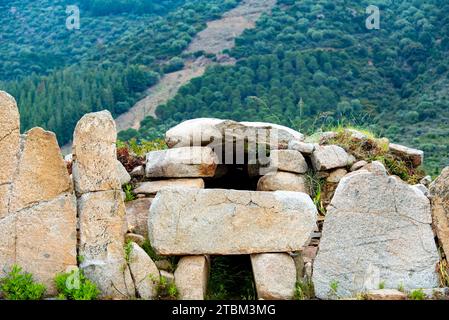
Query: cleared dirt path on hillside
pixel 218 36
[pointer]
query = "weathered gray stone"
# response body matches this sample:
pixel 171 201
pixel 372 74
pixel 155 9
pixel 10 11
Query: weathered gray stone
pixel 336 175
pixel 426 181
pixel 386 294
pixel 422 188
pixel 330 185
pixel 138 172
pixel 414 155
pixel 102 230
pixel 153 187
pixel 164 264
pixel 288 160
pixel 377 229
pixel 38 208
pixel 206 131
pixel 191 277
pixel 168 276
pixel 184 162
pixel 9 151
pixel 303 147
pixel 358 165
pixel 187 221
pixel 122 174
pixel 439 191
pixel 329 157
pixel 45 242
pixel 94 153
pixel 274 275
pixel 133 237
pixel 137 212
pixel 285 181
pixel 144 272
pixel 9 138
pixel 42 173
pixel 376 167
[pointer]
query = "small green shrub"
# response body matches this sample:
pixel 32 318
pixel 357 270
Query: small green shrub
pixel 18 285
pixel 382 285
pixel 142 147
pixel 315 185
pixel 417 295
pixel 128 251
pixel 166 290
pixel 304 290
pixel 75 286
pixel 129 196
pixel 333 289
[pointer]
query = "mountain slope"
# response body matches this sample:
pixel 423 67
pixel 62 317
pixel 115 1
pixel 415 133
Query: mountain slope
pixel 314 64
pixel 107 64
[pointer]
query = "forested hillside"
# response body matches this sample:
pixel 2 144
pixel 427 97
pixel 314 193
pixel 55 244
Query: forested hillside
pixel 314 64
pixel 121 48
pixel 308 64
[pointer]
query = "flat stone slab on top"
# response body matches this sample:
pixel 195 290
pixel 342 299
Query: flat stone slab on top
pixel 189 221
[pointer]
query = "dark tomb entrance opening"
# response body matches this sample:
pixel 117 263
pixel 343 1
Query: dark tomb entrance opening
pixel 231 278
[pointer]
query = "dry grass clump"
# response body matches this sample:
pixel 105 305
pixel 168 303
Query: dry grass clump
pixel 364 145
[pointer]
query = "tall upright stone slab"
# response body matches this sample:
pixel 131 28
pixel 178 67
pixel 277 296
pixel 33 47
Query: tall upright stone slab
pixel 37 204
pixel 9 150
pixel 94 154
pixel 45 208
pixel 439 190
pixel 377 230
pixel 102 221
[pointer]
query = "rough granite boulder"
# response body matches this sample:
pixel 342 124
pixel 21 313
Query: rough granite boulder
pixel 137 212
pixel 102 230
pixel 439 191
pixel 42 173
pixel 101 210
pixel 288 160
pixel 274 275
pixel 285 181
pixel 187 221
pixel 123 175
pixel 191 277
pixel 9 151
pixel 94 154
pixel 185 162
pixel 144 272
pixel 37 204
pixel 329 157
pixel 414 155
pixel 303 147
pixel 153 187
pixel 377 230
pixel 207 131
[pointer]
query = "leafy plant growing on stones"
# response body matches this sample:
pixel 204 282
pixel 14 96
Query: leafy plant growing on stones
pixel 19 285
pixel 304 289
pixel 75 286
pixel 129 196
pixel 165 289
pixel 417 294
pixel 333 289
pixel 315 186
